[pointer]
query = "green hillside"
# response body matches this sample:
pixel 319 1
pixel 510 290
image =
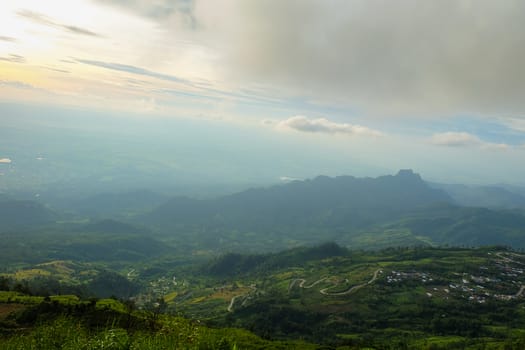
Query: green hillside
pixel 65 322
pixel 395 297
pixel 369 213
pixel 17 214
pixel 319 297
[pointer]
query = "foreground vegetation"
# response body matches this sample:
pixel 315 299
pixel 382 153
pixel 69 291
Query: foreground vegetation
pixel 65 322
pixel 319 297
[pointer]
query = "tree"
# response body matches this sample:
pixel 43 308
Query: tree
pixel 4 283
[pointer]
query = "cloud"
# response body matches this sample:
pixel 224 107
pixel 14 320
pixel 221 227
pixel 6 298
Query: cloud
pixel 464 139
pixel 495 146
pixel 456 139
pixel 59 70
pixel 68 61
pixel 289 179
pixel 323 125
pixel 43 20
pixel 132 69
pixel 515 124
pixel 7 38
pixel 377 57
pixel 191 89
pixel 16 84
pixel 5 160
pixel 13 58
pixel 179 12
pixel 380 57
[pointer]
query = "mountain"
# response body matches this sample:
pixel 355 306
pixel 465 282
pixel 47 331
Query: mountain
pixel 336 198
pixel 467 226
pixel 295 213
pixel 484 196
pixel 236 264
pixel 15 214
pixel 343 200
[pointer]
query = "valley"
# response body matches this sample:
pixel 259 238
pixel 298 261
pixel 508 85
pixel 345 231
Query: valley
pixel 262 174
pixel 335 262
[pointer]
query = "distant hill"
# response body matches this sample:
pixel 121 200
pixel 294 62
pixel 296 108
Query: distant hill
pixel 288 215
pixel 80 243
pixel 234 264
pixel 394 210
pixel 15 214
pixel 469 226
pixel 110 205
pixel 515 189
pixel 484 196
pixel 340 201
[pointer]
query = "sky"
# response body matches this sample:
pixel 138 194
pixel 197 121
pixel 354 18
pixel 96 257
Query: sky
pixel 299 88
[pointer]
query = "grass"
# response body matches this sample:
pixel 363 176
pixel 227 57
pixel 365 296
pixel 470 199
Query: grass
pixel 168 298
pixel 15 297
pixel 111 304
pixel 31 273
pixel 70 333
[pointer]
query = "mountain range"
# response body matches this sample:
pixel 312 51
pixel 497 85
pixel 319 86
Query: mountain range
pixel 399 209
pixel 392 210
pixel 340 201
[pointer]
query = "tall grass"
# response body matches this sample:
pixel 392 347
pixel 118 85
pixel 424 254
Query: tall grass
pixel 66 333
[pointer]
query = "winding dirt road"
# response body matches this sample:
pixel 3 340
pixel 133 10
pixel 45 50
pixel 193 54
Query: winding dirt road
pixel 303 281
pixel 300 282
pixel 232 302
pixel 246 295
pixel 325 291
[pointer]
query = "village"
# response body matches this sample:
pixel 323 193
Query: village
pixel 500 277
pixel 503 280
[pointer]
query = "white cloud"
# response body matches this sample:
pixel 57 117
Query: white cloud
pixel 495 146
pixel 515 124
pixel 289 179
pixel 16 84
pixel 323 125
pixel 456 139
pixel 160 10
pixel 465 139
pixel 5 160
